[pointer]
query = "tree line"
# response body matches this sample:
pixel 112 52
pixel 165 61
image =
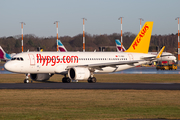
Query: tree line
pixel 31 42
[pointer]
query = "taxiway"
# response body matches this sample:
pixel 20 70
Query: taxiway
pixel 120 86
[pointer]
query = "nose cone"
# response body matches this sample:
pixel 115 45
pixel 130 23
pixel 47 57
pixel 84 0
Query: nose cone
pixel 8 66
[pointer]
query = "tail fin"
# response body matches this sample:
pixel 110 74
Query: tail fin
pixel 4 55
pixel 142 40
pixel 61 47
pixel 160 52
pixel 118 46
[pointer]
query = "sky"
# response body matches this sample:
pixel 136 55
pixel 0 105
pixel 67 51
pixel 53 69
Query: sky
pixel 102 16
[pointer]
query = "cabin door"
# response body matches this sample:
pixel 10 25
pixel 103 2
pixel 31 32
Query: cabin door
pixel 131 57
pixel 32 59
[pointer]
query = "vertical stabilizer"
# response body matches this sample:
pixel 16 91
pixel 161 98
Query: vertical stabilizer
pixel 61 47
pixel 4 55
pixel 142 41
pixel 118 46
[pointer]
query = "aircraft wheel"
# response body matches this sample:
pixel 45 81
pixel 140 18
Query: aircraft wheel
pixel 93 80
pixel 26 81
pixel 66 80
pixel 89 80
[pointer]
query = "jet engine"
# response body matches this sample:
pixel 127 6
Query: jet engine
pixel 79 73
pixel 40 76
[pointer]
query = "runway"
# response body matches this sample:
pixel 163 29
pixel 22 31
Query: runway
pixel 108 86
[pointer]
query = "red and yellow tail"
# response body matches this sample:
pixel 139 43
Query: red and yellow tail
pixel 142 40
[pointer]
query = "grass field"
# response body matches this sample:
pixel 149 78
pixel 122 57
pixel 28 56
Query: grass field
pixel 91 104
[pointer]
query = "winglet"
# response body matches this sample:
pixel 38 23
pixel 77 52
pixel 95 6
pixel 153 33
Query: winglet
pixel 160 53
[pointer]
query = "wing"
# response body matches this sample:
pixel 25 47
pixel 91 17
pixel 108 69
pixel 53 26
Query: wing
pixel 110 64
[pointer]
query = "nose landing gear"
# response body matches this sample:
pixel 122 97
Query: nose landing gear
pixel 27 79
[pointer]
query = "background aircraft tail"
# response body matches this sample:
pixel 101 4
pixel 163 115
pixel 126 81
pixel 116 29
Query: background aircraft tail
pixel 142 40
pixel 118 46
pixel 61 47
pixel 4 55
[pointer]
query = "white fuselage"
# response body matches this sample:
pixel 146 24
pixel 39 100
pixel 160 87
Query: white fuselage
pixel 59 62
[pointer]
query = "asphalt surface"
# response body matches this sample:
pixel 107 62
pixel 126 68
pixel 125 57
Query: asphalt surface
pixel 119 86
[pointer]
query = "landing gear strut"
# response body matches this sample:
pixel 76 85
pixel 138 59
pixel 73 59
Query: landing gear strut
pixel 66 79
pixel 27 79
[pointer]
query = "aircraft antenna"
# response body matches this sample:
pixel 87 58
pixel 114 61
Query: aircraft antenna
pixel 22 33
pixel 84 34
pixel 121 32
pixel 178 42
pixel 56 22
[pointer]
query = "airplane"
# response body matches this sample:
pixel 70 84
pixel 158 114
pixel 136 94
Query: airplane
pixel 61 47
pixel 166 56
pixel 4 55
pixel 83 65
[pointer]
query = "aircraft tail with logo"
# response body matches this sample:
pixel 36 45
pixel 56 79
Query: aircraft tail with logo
pixel 61 47
pixel 118 46
pixel 142 41
pixel 4 55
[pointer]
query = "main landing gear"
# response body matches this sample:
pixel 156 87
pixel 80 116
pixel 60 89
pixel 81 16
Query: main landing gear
pixel 91 80
pixel 66 79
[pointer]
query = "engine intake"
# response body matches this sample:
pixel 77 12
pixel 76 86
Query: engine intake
pixel 40 76
pixel 79 73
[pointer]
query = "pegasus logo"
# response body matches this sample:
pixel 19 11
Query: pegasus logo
pixel 141 35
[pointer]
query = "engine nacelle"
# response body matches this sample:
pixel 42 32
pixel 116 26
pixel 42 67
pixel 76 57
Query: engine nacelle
pixel 79 73
pixel 40 76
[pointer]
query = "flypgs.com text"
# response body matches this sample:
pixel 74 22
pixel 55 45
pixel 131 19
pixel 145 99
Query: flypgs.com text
pixel 141 35
pixel 45 60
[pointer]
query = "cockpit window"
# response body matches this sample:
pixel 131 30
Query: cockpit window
pixel 13 58
pixel 17 58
